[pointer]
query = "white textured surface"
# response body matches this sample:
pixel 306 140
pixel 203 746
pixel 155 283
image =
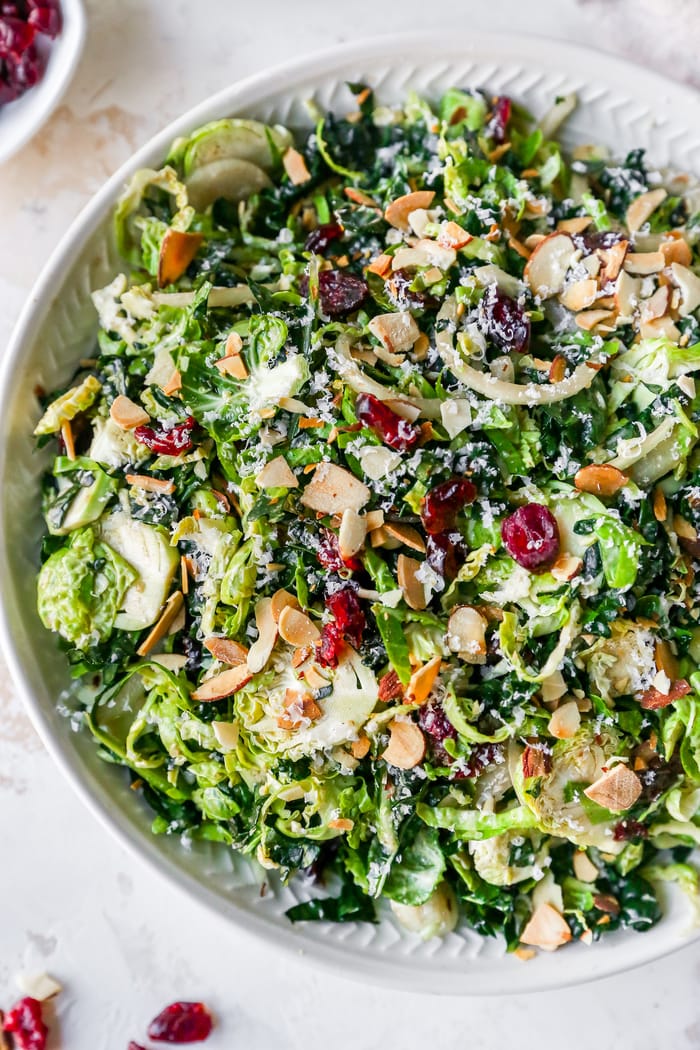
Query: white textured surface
pixel 122 940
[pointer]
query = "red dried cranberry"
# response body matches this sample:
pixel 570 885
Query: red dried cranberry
pixel 591 240
pixel 629 829
pixel 531 536
pixel 340 292
pixel 329 555
pixel 46 20
pixel 506 323
pixel 443 503
pixel 482 755
pixel 500 115
pixel 324 235
pixel 446 552
pixel 433 721
pixel 392 428
pixel 181 1023
pixel 330 647
pixel 15 37
pixel 344 606
pixel 167 441
pixel 26 1024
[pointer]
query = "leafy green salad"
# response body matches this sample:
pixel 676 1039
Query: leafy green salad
pixel 373 520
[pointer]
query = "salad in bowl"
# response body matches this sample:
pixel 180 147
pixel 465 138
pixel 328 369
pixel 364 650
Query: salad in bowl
pixel 372 522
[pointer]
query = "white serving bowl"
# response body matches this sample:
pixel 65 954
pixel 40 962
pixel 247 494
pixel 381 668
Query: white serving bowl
pixel 20 120
pixel 622 106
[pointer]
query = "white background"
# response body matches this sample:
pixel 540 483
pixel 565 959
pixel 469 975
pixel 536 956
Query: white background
pixel 123 942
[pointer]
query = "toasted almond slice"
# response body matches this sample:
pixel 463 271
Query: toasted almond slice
pixel 341 824
pixel 314 679
pixel 276 474
pixel 358 197
pixel 360 747
pixel 379 537
pixel 299 707
pixel 295 166
pixel 659 504
pixel 644 263
pixel 547 929
pixel 557 369
pixel 613 259
pixel 656 305
pixel 548 265
pixel 127 414
pixel 406 534
pixel 576 225
pixel 397 332
pixel 666 660
pixel 660 326
pixel 177 250
pixel 600 479
pixel 149 484
pixel 233 366
pixel 536 760
pixel 68 438
pixel 333 489
pixel 421 682
pixel 676 249
pixel 565 721
pixel 566 567
pixel 398 210
pixel 261 649
pixel 226 650
pixel 234 344
pixel 525 954
pixel 375 518
pixel 173 384
pixel 452 235
pixel 683 529
pixel 627 294
pixel 381 265
pixel 223 684
pixel 227 734
pixel 580 295
pixel 553 687
pixel 589 319
pixel 643 207
pixel 584 868
pixel 281 600
pixel 466 634
pixel 296 628
pixel 352 533
pixel 617 790
pixel 406 746
pixel 171 610
pixel 413 590
pixel 689 285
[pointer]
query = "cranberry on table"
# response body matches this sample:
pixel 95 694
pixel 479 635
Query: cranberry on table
pixel 392 428
pixel 26 1025
pixel 167 441
pixel 440 507
pixel 181 1023
pixel 506 323
pixel 531 536
pixel 319 239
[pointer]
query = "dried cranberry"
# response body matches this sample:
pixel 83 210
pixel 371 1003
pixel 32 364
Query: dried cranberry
pixel 445 553
pixel 505 321
pixel 392 428
pixel 320 238
pixel 15 37
pixel 591 240
pixel 438 728
pixel 481 756
pixel 167 441
pixel 330 647
pixel 442 504
pixel 181 1023
pixel 500 115
pixel 344 606
pixel 329 555
pixel 340 292
pixel 26 1024
pixel 46 20
pixel 531 536
pixel 405 297
pixel 629 829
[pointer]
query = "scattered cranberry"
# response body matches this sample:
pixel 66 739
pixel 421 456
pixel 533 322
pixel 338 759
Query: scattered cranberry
pixel 505 321
pixel 442 504
pixel 25 1023
pixel 167 441
pixel 329 555
pixel 446 552
pixel 320 238
pixel 500 115
pixel 181 1023
pixel 629 829
pixel 531 536
pixel 339 292
pixel 393 429
pixel 344 606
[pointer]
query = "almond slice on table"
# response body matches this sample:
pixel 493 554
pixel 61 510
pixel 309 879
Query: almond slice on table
pixel 466 634
pixel 224 684
pixel 643 207
pixel 281 600
pixel 277 474
pixel 127 414
pixel 226 650
pixel 406 747
pixel 398 210
pixel 565 721
pixel 406 534
pixel 165 486
pixel 261 649
pixel 352 533
pixel 333 489
pixel 295 167
pixel 296 628
pixel 233 366
pixel 644 263
pixel 546 269
pixel 617 789
pixel 413 589
pixel 580 295
pixel 421 682
pixel 547 929
pixel 600 479
pixel 689 285
pixel 177 250
pixel 397 332
pixel 171 611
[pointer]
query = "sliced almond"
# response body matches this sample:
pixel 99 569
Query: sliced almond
pixel 421 682
pixel 261 649
pixel 590 319
pixel 379 537
pixel 659 504
pixel 576 225
pixel 406 534
pixel 557 369
pixel 452 235
pixel 683 529
pixel 584 868
pixel 282 600
pixel 600 479
pixel 360 747
pixel 226 650
pixel 314 679
pixel 547 929
pixel 171 610
pixel 659 327
pixel 381 265
pixel 536 761
pixel 466 634
pixel 296 628
pixel 643 207
pixel 165 486
pixel 299 708
pixel 613 259
pixel 413 589
pixel 617 789
pixel 397 332
pixel 547 267
pixel 127 414
pixel 276 474
pixel 656 305
pixel 358 197
pixel 341 824
pixel 553 687
pixel 234 344
pixel 644 263
pixel 224 684
pixel 398 210
pixel 406 746
pixel 227 734
pixel 295 166
pixel 566 567
pixel 665 659
pixel 676 249
pixel 333 489
pixel 627 294
pixel 689 285
pixel 375 518
pixel 580 295
pixel 352 533
pixel 173 384
pixel 565 721
pixel 177 250
pixel 233 366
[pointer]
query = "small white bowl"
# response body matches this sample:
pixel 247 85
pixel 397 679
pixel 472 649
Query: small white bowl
pixel 20 120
